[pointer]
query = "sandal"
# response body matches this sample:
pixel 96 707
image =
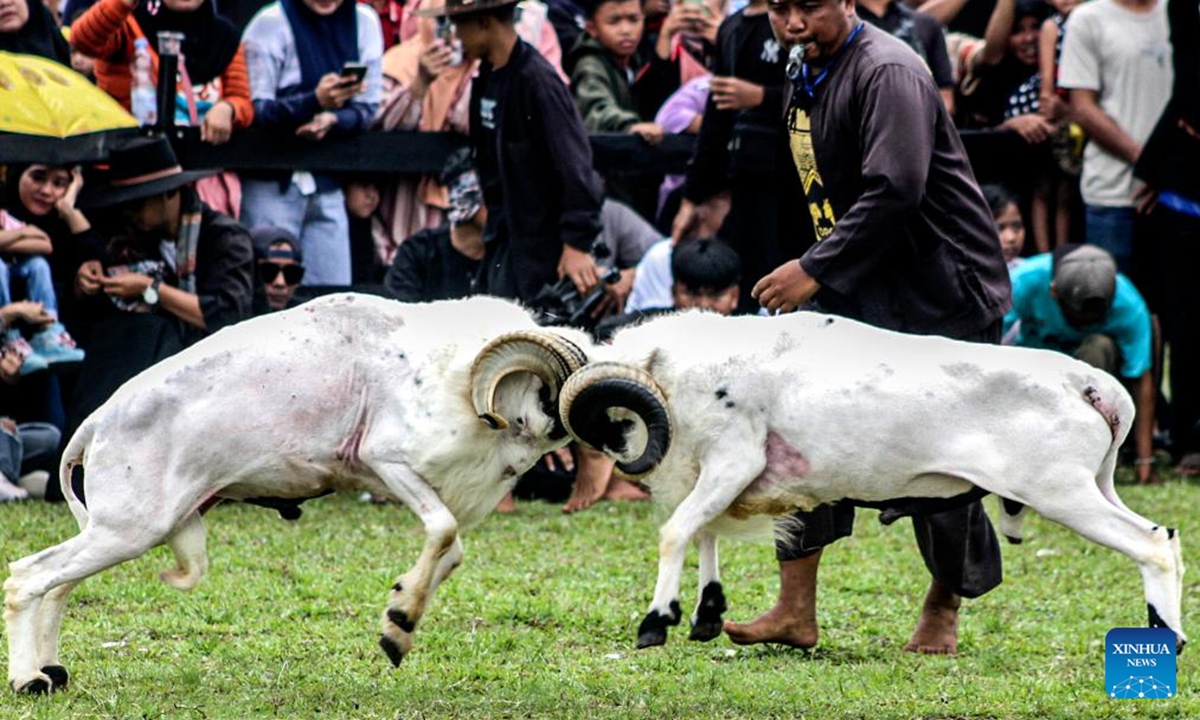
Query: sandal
pixel 1189 464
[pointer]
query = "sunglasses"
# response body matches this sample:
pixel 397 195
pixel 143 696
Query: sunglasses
pixel 268 271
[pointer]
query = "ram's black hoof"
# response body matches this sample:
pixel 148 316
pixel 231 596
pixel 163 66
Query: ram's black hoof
pixel 708 624
pixel 651 638
pixel 35 687
pixel 1014 540
pixel 59 677
pixel 705 631
pixel 653 630
pixel 400 619
pixel 392 650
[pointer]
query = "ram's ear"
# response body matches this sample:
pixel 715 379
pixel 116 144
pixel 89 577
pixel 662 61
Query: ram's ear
pixel 546 355
pixel 599 405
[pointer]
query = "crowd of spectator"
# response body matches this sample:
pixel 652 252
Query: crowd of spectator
pixel 140 258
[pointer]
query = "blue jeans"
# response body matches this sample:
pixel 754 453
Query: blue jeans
pixel 1111 228
pixel 319 221
pixel 39 286
pixel 33 441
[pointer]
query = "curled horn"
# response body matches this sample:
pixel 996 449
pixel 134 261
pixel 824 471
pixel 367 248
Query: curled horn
pixel 549 356
pixel 588 395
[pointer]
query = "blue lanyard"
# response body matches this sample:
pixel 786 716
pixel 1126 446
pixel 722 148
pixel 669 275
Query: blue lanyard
pixel 810 89
pixel 1179 203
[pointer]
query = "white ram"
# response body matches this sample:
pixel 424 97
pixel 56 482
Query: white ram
pixel 348 392
pixel 735 421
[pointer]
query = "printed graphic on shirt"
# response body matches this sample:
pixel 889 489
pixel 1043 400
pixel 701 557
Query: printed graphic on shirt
pixel 487 113
pixel 800 139
pixel 770 51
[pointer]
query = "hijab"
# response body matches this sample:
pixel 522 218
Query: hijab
pixel 209 40
pixel 51 223
pixel 328 41
pixel 39 36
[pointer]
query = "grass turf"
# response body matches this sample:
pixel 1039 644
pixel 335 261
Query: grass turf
pixel 540 619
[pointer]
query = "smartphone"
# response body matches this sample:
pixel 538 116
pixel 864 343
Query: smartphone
pixel 353 73
pixel 445 31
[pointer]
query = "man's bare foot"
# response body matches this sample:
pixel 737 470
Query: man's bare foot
pixel 778 625
pixel 507 504
pixel 793 620
pixel 937 630
pixel 622 489
pixel 593 473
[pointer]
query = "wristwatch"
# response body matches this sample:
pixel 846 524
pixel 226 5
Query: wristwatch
pixel 150 294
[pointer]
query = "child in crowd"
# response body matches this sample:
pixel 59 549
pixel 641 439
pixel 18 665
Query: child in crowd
pixel 1007 213
pixel 603 66
pixel 24 248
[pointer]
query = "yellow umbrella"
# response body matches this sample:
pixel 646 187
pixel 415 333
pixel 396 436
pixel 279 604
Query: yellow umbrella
pixel 50 113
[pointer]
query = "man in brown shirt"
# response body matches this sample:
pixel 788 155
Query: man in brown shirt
pixel 905 242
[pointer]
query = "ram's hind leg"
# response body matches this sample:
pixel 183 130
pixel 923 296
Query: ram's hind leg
pixel 1081 506
pixel 58 568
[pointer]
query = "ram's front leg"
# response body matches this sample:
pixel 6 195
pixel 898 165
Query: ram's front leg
pixel 706 620
pixel 722 480
pixel 442 553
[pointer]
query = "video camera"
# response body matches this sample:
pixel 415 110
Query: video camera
pixel 559 304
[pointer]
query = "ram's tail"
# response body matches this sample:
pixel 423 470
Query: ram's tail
pixel 75 455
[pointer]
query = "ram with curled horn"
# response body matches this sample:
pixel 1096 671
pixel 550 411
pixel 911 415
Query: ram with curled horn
pixel 736 421
pixel 440 406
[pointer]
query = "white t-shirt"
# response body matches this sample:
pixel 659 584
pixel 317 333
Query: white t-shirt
pixel 653 281
pixel 1126 57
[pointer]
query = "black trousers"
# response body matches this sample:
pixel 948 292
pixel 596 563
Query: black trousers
pixel 1171 246
pixel 959 546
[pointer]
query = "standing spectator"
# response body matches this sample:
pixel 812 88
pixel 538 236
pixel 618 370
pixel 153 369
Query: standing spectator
pixel 682 50
pixel 1170 164
pixel 426 87
pixel 1116 65
pixel 543 197
pixel 297 52
pixel 682 113
pixel 921 32
pixel 27 27
pixel 391 13
pixel 213 89
pixel 602 66
pixel 1074 301
pixel 738 187
pixel 907 243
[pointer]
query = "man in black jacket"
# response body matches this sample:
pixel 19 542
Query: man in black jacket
pixel 905 242
pixel 533 158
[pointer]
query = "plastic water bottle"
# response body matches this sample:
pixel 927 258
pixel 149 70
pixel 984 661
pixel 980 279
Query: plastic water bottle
pixel 143 99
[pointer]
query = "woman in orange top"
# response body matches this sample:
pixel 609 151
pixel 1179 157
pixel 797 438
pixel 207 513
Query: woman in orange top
pixel 214 89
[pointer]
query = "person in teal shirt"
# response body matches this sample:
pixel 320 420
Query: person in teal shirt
pixel 1074 301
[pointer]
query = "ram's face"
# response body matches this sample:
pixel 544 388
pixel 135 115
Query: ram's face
pixel 525 401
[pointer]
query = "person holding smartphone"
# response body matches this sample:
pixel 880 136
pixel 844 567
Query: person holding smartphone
pixel 331 87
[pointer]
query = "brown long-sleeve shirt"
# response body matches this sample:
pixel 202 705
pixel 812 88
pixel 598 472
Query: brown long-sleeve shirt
pixel 914 247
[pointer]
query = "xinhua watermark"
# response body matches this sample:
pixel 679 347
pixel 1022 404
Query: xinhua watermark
pixel 1139 664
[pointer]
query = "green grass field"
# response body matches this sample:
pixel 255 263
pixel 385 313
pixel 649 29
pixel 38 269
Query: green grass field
pixel 540 620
